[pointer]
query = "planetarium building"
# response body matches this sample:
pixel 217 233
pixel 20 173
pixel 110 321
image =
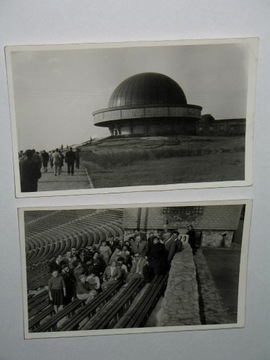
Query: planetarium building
pixel 148 104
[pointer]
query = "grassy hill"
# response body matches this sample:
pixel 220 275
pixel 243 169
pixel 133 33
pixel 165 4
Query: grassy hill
pixel 135 161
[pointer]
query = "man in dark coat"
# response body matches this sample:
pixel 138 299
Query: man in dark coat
pixel 192 239
pixel 157 257
pixel 70 160
pixel 29 173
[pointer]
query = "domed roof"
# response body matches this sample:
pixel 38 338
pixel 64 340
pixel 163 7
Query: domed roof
pixel 147 89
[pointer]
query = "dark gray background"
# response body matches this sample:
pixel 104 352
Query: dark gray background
pixel 67 21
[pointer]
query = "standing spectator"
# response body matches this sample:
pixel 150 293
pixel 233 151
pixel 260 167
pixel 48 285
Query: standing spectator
pixel 150 240
pixel 57 161
pixel 70 160
pixel 57 291
pixel 157 257
pixel 77 158
pixel 55 264
pixel 192 239
pixel 70 284
pixel 172 245
pixel 29 173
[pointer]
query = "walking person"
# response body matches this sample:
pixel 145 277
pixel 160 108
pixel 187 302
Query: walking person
pixel 70 160
pixel 45 160
pixel 57 161
pixel 77 158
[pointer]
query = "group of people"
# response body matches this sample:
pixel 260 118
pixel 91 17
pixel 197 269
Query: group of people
pixel 31 164
pixel 71 158
pixel 84 273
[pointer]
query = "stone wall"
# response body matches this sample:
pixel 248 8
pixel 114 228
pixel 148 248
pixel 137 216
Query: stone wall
pixel 180 305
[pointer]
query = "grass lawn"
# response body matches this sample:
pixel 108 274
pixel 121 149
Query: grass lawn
pixel 224 267
pixel 227 166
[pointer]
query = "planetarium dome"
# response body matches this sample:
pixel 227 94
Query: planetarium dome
pixel 148 104
pixel 147 89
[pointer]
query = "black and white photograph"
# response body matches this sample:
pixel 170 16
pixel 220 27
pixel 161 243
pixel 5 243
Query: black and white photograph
pixel 135 116
pixel 130 269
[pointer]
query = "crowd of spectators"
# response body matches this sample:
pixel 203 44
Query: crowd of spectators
pixel 85 272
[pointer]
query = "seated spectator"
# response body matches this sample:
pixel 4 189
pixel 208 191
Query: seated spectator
pixel 129 242
pixel 121 263
pixel 111 274
pixel 82 256
pixel 136 270
pixel 121 242
pixel 98 264
pixel 115 255
pixel 73 251
pixel 126 254
pixel 90 250
pixel 112 242
pixel 139 246
pixel 82 289
pixel 79 269
pixel 105 251
pixel 93 284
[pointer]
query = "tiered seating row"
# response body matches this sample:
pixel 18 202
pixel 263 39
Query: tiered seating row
pixel 79 233
pixel 91 308
pixel 115 308
pixel 50 219
pixel 140 313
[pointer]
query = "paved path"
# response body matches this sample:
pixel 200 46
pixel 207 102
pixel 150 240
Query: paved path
pixel 50 182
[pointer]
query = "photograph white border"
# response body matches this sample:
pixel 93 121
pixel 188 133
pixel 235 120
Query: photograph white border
pixel 250 115
pixel 241 285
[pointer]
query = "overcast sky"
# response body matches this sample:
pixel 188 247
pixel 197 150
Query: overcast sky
pixel 56 91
